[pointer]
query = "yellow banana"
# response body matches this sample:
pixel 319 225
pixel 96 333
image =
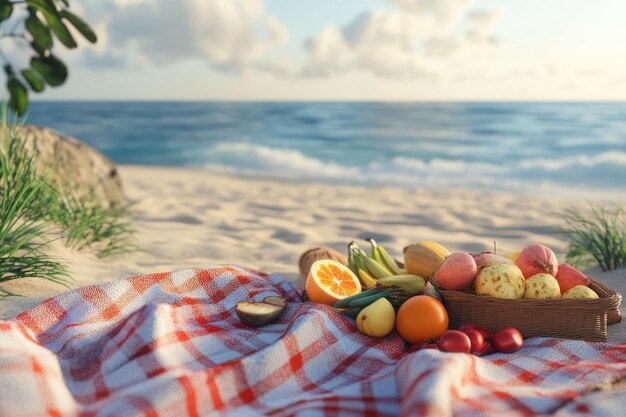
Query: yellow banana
pixel 361 270
pixel 408 283
pixel 380 255
pixel 375 269
pixel 366 279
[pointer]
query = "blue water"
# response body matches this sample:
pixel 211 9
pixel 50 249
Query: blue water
pixel 575 148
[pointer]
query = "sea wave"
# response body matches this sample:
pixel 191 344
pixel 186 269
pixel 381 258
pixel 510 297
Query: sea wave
pixel 252 158
pixel 603 172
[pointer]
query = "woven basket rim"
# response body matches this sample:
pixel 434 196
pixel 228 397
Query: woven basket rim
pixel 611 300
pixel 584 319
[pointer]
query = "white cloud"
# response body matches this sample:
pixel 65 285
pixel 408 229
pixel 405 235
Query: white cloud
pixel 441 46
pixel 230 35
pixel 327 52
pixel 413 40
pixel 277 32
pixel 380 42
pixel 482 25
pixel 445 12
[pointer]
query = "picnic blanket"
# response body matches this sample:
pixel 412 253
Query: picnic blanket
pixel 170 344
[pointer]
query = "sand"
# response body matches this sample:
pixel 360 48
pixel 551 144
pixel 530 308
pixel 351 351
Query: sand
pixel 187 217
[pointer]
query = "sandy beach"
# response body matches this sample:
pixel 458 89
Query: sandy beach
pixel 187 217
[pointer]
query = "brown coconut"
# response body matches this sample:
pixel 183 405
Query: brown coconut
pixel 312 255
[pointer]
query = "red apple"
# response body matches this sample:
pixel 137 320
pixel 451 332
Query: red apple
pixel 537 259
pixel 569 277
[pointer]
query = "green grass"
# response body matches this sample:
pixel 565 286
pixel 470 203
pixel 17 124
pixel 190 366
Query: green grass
pixel 35 211
pixel 86 224
pixel 22 237
pixel 597 235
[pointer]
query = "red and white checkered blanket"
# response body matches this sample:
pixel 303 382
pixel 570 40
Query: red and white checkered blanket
pixel 171 345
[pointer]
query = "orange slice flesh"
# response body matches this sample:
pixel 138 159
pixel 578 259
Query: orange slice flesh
pixel 329 281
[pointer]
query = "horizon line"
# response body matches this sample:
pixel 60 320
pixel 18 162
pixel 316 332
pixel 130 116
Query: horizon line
pixel 400 101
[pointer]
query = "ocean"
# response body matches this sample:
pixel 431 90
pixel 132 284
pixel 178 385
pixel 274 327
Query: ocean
pixel 576 149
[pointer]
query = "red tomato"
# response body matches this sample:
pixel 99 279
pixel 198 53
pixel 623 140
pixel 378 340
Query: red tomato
pixel 508 340
pixel 466 326
pixel 455 341
pixel 469 326
pixel 477 340
pixel 485 332
pixel 489 349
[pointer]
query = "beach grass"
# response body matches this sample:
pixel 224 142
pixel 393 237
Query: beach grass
pixel 23 237
pixel 34 211
pixel 597 235
pixel 86 224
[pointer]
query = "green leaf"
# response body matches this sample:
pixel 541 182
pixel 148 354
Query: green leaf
pixel 51 69
pixel 42 39
pixel 42 5
pixel 8 70
pixel 80 25
pixel 19 96
pixel 6 8
pixel 33 80
pixel 59 29
pixel 66 3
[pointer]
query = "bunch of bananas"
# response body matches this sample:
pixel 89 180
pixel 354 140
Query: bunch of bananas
pixel 381 276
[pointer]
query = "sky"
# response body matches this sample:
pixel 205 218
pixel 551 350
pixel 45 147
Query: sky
pixel 396 50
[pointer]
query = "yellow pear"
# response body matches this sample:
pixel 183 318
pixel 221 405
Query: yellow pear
pixel 377 319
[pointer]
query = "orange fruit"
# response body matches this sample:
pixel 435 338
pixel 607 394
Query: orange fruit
pixel 329 281
pixel 421 319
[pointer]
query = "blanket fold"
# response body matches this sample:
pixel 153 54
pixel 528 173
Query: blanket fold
pixel 171 345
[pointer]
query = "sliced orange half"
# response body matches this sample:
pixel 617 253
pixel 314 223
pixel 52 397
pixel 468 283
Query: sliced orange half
pixel 329 281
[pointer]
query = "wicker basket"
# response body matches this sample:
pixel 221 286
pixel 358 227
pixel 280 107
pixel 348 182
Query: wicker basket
pixel 571 319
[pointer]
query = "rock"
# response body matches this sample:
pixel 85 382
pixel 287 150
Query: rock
pixel 85 170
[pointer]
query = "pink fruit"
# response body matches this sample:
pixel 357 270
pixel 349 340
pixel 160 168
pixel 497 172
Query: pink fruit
pixel 537 259
pixel 457 272
pixel 569 277
pixel 490 258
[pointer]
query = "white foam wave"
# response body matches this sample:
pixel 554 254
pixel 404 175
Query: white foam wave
pixel 603 159
pixel 267 160
pixel 575 173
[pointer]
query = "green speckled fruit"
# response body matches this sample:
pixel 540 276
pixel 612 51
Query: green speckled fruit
pixel 501 281
pixel 580 291
pixel 542 286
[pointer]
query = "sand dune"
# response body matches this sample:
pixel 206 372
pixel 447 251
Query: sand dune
pixel 192 218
